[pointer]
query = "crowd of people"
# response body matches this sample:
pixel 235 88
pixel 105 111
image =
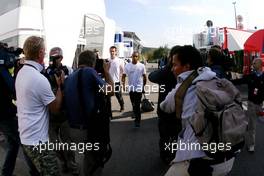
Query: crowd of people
pixel 59 105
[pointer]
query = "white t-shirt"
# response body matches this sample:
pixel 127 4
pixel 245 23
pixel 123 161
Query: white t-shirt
pixel 134 73
pixel 33 95
pixel 116 68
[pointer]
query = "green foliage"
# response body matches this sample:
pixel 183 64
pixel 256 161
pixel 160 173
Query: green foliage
pixel 161 52
pixel 153 54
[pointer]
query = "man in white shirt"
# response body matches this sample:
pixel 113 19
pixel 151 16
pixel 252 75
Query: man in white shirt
pixel 116 70
pixel 137 79
pixel 34 101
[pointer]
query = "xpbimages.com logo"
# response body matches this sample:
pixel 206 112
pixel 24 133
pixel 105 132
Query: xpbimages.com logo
pixel 212 147
pixel 127 88
pixel 58 146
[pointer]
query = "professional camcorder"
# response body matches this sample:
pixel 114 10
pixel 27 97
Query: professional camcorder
pixel 8 56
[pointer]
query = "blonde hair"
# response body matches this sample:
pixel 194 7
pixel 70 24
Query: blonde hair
pixel 32 46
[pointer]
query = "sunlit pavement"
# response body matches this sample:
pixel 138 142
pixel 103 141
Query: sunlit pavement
pixel 135 151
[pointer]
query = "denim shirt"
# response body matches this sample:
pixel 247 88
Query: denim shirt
pixel 187 136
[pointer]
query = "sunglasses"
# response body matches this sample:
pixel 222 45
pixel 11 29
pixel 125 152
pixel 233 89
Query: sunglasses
pixel 55 57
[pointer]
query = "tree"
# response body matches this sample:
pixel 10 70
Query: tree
pixel 153 54
pixel 161 52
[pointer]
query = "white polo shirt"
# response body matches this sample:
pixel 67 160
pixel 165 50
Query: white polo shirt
pixel 33 95
pixel 116 68
pixel 134 73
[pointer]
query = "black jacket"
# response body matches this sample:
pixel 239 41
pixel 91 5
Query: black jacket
pixel 255 86
pixel 7 93
pixel 165 78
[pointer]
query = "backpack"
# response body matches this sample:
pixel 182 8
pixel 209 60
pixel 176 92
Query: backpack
pixel 219 116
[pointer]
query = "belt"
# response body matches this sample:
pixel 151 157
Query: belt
pixel 79 127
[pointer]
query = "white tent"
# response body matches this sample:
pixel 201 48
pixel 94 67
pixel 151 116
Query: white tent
pixel 236 39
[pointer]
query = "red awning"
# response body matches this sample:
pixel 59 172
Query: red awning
pixel 255 42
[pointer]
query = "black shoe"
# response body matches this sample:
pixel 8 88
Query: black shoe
pixel 251 149
pixel 121 108
pixel 137 125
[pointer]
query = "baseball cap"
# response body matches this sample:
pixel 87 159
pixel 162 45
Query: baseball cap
pixel 56 51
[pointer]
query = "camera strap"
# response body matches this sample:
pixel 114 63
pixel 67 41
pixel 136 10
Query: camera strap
pixel 31 66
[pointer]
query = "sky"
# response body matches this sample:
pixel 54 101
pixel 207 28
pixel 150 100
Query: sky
pixel 173 22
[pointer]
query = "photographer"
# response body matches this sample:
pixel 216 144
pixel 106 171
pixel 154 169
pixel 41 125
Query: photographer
pixel 169 126
pixel 58 130
pixel 215 60
pixel 100 70
pixel 56 67
pixel 8 120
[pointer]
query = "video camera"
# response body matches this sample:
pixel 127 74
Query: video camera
pixel 8 56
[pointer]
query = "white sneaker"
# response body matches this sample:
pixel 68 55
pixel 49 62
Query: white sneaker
pixel 251 148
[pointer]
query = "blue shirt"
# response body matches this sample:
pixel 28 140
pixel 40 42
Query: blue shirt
pixel 91 84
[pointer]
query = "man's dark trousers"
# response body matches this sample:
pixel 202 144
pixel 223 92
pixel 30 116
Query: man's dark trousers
pixel 118 94
pixel 135 98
